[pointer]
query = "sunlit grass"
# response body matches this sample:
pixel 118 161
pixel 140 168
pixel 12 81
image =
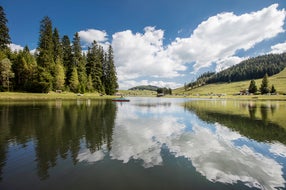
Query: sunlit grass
pixel 279 81
pixel 48 96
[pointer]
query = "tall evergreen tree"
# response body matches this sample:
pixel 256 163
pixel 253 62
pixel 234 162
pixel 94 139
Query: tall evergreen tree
pixel 252 87
pixel 4 30
pixel 25 69
pixel 74 83
pixel 59 80
pixel 264 89
pixel 79 61
pixel 58 49
pixel 45 58
pixel 6 74
pixel 89 85
pixel 76 50
pixel 67 58
pixel 109 73
pixel 94 66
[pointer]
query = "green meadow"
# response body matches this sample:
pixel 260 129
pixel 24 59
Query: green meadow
pixel 49 96
pixel 232 88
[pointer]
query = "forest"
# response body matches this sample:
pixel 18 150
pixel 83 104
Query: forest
pixel 58 64
pixel 145 87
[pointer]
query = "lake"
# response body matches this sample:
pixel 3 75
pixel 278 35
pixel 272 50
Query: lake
pixel 147 143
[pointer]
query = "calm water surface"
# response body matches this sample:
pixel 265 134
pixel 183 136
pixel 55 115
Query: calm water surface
pixel 147 143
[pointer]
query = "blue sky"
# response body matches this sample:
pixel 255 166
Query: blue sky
pixel 159 42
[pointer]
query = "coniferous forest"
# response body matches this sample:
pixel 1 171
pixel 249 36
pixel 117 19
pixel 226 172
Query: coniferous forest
pixel 252 68
pixel 58 64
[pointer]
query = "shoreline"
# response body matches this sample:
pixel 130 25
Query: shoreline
pixel 22 96
pixel 241 97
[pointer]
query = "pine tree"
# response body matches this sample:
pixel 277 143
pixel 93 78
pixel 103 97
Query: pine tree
pixel 76 50
pixel 252 87
pixel 109 73
pixel 67 58
pixel 74 83
pixel 58 49
pixel 94 66
pixel 45 58
pixel 4 30
pixel 273 90
pixel 25 69
pixel 82 77
pixel 79 61
pixel 264 89
pixel 59 80
pixel 89 85
pixel 6 73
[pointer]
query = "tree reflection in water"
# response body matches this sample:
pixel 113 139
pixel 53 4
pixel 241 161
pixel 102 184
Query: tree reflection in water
pixel 58 129
pixel 221 144
pixel 258 127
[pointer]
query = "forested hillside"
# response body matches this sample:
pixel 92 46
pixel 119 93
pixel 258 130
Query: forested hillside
pixel 145 87
pixel 249 69
pixel 252 68
pixel 57 64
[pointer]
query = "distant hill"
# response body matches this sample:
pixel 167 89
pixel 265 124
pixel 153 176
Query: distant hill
pixel 145 87
pixel 253 68
pixel 278 80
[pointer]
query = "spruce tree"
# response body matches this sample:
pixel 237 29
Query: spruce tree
pixel 45 58
pixel 109 73
pixel 79 61
pixel 89 85
pixel 252 87
pixel 264 89
pixel 6 74
pixel 76 50
pixel 58 49
pixel 67 58
pixel 59 80
pixel 4 31
pixel 25 69
pixel 273 90
pixel 94 66
pixel 74 83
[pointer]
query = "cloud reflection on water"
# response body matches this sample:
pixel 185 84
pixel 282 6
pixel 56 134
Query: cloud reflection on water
pixel 140 134
pixel 215 156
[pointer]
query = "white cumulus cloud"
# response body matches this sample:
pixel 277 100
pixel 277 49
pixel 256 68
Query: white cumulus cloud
pixel 143 55
pixel 15 47
pixel 217 39
pixel 88 36
pixel 278 48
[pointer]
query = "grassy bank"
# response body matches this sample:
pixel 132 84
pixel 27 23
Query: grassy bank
pixel 49 96
pixel 229 89
pixel 72 96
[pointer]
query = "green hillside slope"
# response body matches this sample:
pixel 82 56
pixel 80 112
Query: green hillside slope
pixel 145 87
pixel 278 80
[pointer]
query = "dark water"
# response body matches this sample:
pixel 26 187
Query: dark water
pixel 147 143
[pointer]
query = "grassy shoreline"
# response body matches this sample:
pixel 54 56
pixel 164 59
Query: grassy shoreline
pixel 49 96
pixel 244 97
pixel 10 96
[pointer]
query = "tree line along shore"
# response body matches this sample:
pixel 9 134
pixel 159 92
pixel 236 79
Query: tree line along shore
pixel 58 64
